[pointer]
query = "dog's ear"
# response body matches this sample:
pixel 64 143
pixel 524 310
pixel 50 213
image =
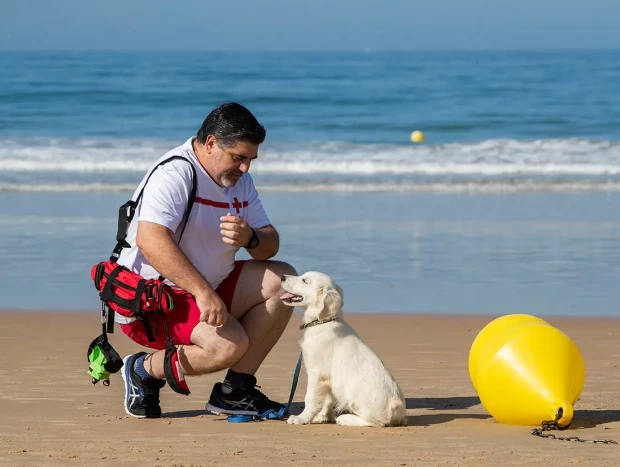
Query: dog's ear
pixel 331 300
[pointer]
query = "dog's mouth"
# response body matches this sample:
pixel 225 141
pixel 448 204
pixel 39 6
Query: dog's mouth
pixel 291 298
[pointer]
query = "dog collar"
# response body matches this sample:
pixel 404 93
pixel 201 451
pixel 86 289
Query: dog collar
pixel 317 321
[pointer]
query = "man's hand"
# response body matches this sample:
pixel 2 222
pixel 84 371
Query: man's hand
pixel 212 308
pixel 235 231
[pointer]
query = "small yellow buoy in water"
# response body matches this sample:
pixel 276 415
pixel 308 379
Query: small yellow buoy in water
pixel 417 137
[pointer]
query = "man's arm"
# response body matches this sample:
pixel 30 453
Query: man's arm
pixel 161 251
pixel 268 243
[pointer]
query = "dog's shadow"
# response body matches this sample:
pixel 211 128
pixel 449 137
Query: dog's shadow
pixel 583 419
pixel 441 403
pixel 431 403
pixel 436 419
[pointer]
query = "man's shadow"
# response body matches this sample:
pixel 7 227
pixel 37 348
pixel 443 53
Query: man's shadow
pixel 186 414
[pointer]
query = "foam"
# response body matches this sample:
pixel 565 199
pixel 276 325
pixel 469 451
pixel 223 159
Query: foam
pixel 55 164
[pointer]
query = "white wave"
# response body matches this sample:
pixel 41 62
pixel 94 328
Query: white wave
pixel 487 158
pixel 461 186
pixel 380 168
pixel 473 186
pixel 79 155
pixel 69 187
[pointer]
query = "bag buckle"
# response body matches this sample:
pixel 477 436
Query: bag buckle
pixel 150 290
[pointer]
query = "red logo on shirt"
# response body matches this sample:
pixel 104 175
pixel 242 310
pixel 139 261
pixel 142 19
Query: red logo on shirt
pixel 238 205
pixel 219 204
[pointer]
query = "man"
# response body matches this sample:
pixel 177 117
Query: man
pixel 227 313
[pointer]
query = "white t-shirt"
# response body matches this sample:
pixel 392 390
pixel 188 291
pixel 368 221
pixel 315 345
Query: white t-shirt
pixel 164 202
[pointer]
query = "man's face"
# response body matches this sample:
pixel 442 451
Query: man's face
pixel 230 163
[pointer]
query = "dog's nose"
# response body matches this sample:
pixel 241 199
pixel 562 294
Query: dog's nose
pixel 283 277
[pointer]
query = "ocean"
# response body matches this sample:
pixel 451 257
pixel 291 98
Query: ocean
pixel 509 205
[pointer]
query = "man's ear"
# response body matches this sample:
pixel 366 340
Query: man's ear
pixel 210 143
pixel 330 300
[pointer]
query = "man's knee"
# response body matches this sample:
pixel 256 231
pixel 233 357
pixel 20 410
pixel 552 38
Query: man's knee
pixel 231 351
pixel 223 347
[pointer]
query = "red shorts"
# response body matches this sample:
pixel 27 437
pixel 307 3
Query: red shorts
pixel 184 317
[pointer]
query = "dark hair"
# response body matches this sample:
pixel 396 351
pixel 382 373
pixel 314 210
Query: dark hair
pixel 231 123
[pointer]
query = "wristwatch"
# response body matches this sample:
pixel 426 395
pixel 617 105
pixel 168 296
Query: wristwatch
pixel 254 241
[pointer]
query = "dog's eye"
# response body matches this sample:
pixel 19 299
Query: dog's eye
pixel 304 280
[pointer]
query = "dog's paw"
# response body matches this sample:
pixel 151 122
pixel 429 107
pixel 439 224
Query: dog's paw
pixel 296 420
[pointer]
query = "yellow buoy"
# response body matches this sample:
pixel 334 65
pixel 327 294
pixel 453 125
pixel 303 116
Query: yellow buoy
pixel 526 371
pixel 491 332
pixel 417 136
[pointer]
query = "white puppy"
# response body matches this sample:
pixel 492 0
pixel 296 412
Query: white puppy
pixel 344 374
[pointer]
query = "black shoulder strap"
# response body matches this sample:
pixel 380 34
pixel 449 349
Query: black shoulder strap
pixel 127 211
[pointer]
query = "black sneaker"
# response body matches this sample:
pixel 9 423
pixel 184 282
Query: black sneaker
pixel 141 395
pixel 240 402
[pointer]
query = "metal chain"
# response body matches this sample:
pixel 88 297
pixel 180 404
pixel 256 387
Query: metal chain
pixel 549 425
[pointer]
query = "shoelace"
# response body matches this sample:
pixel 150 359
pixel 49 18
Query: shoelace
pixel 259 395
pixel 256 390
pixel 269 414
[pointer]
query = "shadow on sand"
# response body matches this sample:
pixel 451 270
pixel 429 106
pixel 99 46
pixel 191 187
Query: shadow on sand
pixel 185 414
pixel 431 403
pixel 583 419
pixel 592 418
pixel 442 403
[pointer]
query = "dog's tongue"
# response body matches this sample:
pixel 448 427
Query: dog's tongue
pixel 287 296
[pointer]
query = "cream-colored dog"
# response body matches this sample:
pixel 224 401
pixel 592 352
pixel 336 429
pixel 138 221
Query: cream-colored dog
pixel 344 374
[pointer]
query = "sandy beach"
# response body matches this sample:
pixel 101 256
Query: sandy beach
pixel 53 415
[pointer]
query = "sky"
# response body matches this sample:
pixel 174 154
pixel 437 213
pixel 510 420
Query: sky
pixel 246 25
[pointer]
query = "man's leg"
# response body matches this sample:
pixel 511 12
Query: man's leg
pixel 211 349
pixel 256 304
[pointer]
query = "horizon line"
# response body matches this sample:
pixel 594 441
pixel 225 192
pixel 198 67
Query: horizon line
pixel 335 51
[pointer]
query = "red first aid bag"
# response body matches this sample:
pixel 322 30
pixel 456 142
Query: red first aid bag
pixel 128 293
